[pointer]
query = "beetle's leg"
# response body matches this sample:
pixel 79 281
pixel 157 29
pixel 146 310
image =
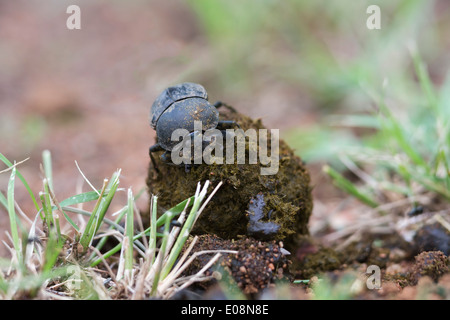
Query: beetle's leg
pixel 227 124
pixel 154 148
pixel 165 157
pixel 219 104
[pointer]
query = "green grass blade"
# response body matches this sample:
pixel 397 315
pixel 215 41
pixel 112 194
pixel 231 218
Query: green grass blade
pixel 52 221
pixel 60 209
pixel 99 211
pixel 89 231
pixel 160 221
pixel 52 250
pixel 30 282
pixel 3 284
pixel 48 171
pixel 47 209
pixel 446 165
pixel 153 226
pixel 116 226
pixel 393 129
pixel 80 198
pixel 129 229
pixel 434 184
pixel 47 164
pixel 106 201
pixel 25 183
pixel 424 80
pixel 13 216
pixel 85 213
pixel 175 211
pixel 185 231
pixel 161 255
pixel 349 187
pixel 77 199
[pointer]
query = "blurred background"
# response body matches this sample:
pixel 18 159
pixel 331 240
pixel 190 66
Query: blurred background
pixel 85 94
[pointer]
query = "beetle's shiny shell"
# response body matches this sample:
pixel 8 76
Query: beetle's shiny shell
pixel 173 94
pixel 181 115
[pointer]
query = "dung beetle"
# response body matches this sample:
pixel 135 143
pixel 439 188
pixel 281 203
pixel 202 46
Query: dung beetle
pixel 177 107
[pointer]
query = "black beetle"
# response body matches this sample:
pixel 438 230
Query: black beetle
pixel 178 107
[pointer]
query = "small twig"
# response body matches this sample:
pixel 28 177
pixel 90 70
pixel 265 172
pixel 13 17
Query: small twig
pixel 110 272
pixel 422 218
pixel 198 275
pixel 140 281
pixel 356 170
pixel 442 221
pixel 185 265
pixel 176 230
pixel 14 165
pixel 358 225
pixel 23 215
pixel 141 225
pixel 184 257
pixel 167 282
pixel 207 201
pixel 354 237
pixel 56 295
pixel 88 182
pixel 399 203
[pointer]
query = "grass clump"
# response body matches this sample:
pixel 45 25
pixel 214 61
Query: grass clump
pixel 55 258
pixel 409 152
pixel 394 157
